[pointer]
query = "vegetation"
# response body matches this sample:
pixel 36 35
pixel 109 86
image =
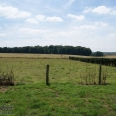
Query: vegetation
pixel 94 75
pixel 103 61
pixel 7 78
pixel 64 96
pixel 49 50
pixel 40 56
pixel 61 99
pixel 98 53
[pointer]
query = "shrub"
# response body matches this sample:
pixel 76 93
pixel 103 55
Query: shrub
pixel 103 61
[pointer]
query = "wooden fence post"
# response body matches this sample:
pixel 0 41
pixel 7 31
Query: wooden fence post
pixel 100 69
pixel 47 75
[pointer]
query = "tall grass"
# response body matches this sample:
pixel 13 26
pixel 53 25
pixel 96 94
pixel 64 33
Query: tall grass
pixel 90 74
pixel 7 78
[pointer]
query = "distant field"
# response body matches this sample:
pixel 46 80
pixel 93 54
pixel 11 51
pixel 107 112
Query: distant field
pixel 18 55
pixel 110 56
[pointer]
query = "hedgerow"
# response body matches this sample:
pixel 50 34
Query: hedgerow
pixel 103 61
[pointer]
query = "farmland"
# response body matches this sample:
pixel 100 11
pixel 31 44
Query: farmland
pixel 65 96
pixel 22 55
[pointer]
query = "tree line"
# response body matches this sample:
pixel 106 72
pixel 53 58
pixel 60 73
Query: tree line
pixel 52 49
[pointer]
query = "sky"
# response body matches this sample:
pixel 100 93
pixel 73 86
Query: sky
pixel 87 23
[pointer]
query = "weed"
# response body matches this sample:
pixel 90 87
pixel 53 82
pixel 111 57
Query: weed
pixel 7 78
pixel 90 74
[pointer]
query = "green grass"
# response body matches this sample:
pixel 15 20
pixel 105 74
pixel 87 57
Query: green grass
pixel 61 99
pixel 34 70
pixel 64 96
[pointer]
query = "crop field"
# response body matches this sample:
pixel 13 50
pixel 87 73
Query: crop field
pixel 21 55
pixel 64 96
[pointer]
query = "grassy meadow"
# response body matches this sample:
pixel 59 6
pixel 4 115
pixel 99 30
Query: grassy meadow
pixel 65 96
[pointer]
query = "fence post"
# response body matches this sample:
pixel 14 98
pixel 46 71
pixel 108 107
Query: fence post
pixel 100 68
pixel 47 75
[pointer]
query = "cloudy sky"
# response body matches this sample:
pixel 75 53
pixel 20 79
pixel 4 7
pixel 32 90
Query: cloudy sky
pixel 87 23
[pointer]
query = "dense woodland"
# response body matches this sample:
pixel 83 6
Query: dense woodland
pixel 58 49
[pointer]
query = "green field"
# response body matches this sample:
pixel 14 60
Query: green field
pixel 64 97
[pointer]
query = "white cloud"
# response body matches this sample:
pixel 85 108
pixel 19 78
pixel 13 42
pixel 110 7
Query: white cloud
pixel 101 24
pixel 22 14
pixel 0 27
pixel 112 35
pixel 43 18
pixel 32 31
pixel 79 18
pixel 31 20
pixel 12 12
pixel 101 10
pixel 40 17
pixel 2 34
pixel 88 27
pixel 54 19
pixel 96 25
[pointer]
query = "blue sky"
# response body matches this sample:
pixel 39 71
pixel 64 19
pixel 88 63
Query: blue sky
pixel 87 23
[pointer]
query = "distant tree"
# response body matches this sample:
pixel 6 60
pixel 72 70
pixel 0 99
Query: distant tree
pixel 98 53
pixel 54 49
pixel 87 52
pixel 1 50
pixel 5 49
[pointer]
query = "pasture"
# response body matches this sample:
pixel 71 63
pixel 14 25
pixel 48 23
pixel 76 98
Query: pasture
pixel 21 55
pixel 65 96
